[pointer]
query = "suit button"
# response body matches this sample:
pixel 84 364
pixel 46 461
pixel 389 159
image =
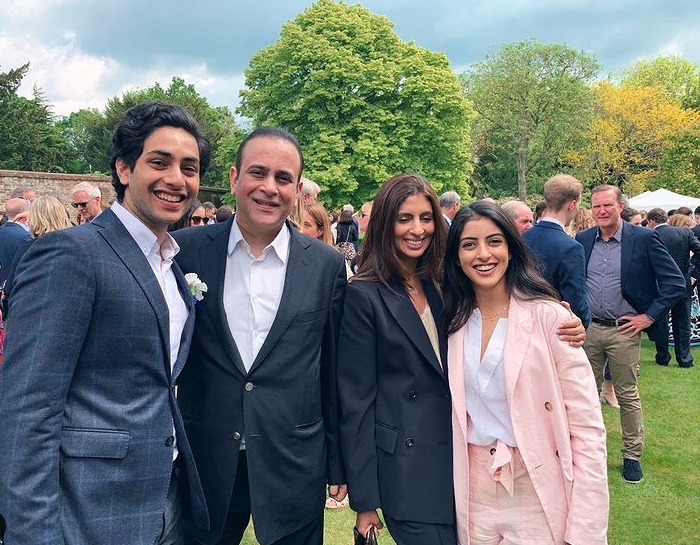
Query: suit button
pixel 170 441
pixel 249 386
pixel 492 451
pixel 236 436
pixel 413 394
pixel 409 442
pixel 548 406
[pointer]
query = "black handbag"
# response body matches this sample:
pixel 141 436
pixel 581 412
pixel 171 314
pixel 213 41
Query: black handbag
pixel 371 538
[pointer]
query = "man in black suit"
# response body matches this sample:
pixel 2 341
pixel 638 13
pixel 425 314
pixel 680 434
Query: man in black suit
pixel 561 258
pixel 679 242
pixel 259 398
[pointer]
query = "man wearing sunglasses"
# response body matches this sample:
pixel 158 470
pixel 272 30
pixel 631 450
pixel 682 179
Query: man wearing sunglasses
pixel 87 198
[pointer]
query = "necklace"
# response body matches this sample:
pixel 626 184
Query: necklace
pixel 495 316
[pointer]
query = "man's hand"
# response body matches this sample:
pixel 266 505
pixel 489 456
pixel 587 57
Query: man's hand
pixel 572 331
pixel 365 519
pixel 634 324
pixel 22 217
pixel 338 491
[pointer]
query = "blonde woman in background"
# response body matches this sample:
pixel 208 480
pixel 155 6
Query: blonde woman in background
pixel 680 220
pixel 315 223
pixel 582 220
pixel 45 215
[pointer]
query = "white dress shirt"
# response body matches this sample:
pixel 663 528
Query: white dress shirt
pixel 485 385
pixel 160 258
pixel 253 290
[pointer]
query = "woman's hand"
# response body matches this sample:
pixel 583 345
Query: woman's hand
pixel 572 331
pixel 365 520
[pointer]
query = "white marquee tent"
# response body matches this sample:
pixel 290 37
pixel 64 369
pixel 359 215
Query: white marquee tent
pixel 662 198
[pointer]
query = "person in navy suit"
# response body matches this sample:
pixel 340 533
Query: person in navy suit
pixel 93 449
pixel 631 283
pixel 560 257
pixel 12 234
pixel 680 242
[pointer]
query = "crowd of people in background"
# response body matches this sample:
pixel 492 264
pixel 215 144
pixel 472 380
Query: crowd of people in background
pixel 190 366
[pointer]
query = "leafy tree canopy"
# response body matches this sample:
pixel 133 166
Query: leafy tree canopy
pixel 630 134
pixel 533 102
pixel 364 104
pixel 28 138
pixel 677 76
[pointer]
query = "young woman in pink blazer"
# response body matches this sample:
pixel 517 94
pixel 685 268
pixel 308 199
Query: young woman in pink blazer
pixel 529 452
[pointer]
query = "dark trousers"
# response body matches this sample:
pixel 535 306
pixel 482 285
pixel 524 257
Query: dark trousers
pixel 680 319
pixel 238 516
pixel 419 533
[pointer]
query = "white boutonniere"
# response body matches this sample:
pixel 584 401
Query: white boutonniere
pixel 196 286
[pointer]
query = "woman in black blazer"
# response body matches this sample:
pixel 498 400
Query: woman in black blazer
pixel 395 425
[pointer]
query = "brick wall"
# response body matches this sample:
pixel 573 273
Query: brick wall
pixel 50 183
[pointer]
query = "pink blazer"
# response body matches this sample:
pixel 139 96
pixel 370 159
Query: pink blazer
pixel 556 418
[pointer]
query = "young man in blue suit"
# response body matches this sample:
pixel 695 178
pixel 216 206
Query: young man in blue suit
pixel 560 256
pixel 631 283
pixel 92 441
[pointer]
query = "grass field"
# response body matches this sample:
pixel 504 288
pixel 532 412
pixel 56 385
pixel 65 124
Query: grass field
pixel 662 510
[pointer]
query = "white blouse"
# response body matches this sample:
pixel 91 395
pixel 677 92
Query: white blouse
pixel 485 385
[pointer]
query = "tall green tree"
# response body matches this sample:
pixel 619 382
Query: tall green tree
pixel 89 131
pixel 677 76
pixel 364 104
pixel 29 139
pixel 533 100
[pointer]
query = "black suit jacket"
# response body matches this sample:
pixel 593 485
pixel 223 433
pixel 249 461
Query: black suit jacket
pixel 680 242
pixel 286 406
pixel 651 281
pixel 562 262
pixel 396 407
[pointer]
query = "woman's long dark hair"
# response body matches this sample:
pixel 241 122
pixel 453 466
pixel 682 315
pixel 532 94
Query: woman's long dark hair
pixel 522 276
pixel 379 260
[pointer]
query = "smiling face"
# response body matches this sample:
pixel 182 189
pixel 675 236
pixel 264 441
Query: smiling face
pixel 165 178
pixel 266 186
pixel 483 255
pixel 414 227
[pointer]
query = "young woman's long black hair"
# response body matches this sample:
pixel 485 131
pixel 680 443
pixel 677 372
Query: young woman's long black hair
pixel 522 276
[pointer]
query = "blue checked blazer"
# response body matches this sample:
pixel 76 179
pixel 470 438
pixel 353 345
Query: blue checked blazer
pixel 87 404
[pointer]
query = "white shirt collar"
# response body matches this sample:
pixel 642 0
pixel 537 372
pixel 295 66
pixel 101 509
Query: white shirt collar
pixel 280 245
pixel 553 220
pixel 144 237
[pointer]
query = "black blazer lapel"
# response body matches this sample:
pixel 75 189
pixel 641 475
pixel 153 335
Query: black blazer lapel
pixel 186 338
pixel 292 295
pixel 403 311
pixel 116 235
pixel 212 259
pixel 627 251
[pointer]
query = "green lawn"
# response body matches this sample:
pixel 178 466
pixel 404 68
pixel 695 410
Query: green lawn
pixel 662 510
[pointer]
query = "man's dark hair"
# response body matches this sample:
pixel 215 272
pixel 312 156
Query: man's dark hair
pixel 697 211
pixel 627 213
pixel 269 132
pixel 684 210
pixel 223 213
pixel 657 215
pixel 138 123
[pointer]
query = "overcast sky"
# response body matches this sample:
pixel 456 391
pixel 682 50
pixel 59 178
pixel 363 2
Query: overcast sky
pixel 83 52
